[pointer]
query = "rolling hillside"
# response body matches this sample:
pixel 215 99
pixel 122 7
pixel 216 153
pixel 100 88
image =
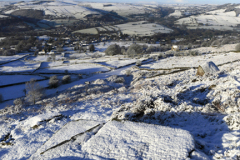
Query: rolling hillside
pixel 220 19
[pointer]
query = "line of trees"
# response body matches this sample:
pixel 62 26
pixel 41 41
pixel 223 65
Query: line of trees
pixel 133 50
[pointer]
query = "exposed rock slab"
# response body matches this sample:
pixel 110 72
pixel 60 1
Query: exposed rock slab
pixel 67 132
pixel 130 140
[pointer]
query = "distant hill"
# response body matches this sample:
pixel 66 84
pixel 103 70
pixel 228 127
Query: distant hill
pixel 29 13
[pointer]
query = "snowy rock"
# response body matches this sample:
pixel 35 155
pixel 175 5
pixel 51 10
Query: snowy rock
pixel 207 68
pixel 116 79
pixel 70 130
pixel 99 81
pixel 130 140
pixel 33 121
pixel 197 155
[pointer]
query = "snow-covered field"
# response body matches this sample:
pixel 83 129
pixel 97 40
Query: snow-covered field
pixel 19 66
pixel 83 68
pixel 17 91
pixel 140 28
pixel 4 59
pixel 128 112
pixel 11 79
pixel 118 62
pixel 43 58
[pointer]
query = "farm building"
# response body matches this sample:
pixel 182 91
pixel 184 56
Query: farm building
pixel 52 52
pixel 175 48
pixel 41 52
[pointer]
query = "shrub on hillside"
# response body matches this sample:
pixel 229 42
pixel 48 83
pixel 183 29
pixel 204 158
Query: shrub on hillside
pixel 53 82
pixel 96 55
pixel 194 53
pixel 134 49
pixel 216 43
pixel 128 72
pixel 49 59
pixel 177 53
pixel 225 41
pixel 113 49
pixel 66 79
pixel 138 63
pixel 190 46
pixel 18 101
pixel 204 44
pixel 8 52
pixel 237 48
pixel 150 49
pixel 123 50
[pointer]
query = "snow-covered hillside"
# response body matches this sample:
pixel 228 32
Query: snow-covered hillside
pixel 58 9
pixel 123 9
pixel 78 10
pixel 220 19
pixel 154 111
pixel 177 14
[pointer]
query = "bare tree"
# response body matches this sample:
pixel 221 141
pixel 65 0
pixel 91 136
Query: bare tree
pixel 34 91
pixel 91 48
pixel 216 43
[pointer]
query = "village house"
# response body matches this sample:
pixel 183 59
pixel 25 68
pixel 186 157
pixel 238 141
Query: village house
pixel 175 48
pixel 13 47
pixel 41 52
pixel 53 52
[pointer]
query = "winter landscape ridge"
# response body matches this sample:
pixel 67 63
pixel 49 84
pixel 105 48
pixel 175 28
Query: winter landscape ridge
pixel 84 80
